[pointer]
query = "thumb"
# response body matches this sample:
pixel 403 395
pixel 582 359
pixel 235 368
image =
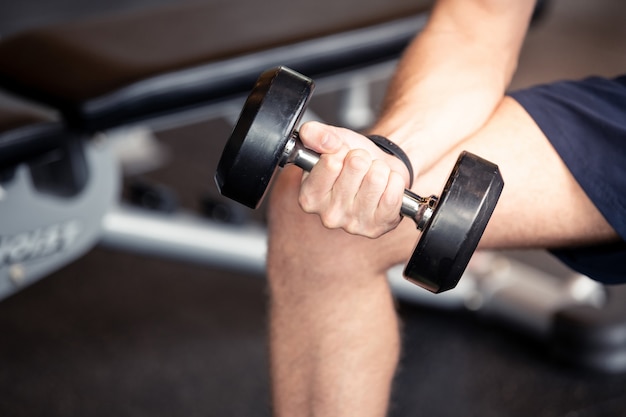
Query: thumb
pixel 320 138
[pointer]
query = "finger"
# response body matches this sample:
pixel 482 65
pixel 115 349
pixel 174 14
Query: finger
pixel 365 219
pixel 342 203
pixel 316 186
pixel 321 138
pixel 372 189
pixel 390 203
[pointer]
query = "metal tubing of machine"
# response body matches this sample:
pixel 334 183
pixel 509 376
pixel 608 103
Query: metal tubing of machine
pixel 187 238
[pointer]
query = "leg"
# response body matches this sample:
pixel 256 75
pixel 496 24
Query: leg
pixel 334 334
pixel 334 338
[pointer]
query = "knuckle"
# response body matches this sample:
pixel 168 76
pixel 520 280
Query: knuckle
pixel 355 228
pixel 331 165
pixel 363 228
pixel 307 202
pixel 332 219
pixel 358 160
pixel 378 174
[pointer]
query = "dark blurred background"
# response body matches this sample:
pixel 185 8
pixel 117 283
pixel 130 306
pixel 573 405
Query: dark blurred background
pixel 116 334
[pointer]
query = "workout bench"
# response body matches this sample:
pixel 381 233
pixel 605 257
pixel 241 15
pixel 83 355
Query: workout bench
pixel 155 67
pixel 112 71
pixel 61 180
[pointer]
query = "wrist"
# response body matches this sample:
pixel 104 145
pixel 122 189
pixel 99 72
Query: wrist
pixel 393 149
pixel 415 141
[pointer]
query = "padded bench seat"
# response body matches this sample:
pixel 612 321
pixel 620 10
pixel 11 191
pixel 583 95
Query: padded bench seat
pixel 26 134
pixel 108 71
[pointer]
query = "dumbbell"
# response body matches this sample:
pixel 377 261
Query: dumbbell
pixel 265 138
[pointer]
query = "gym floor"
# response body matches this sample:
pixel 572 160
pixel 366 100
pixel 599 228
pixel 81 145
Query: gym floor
pixel 117 334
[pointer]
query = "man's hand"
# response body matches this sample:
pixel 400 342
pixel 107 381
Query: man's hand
pixel 355 186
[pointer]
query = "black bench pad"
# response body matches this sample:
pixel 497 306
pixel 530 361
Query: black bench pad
pixel 25 134
pixel 106 71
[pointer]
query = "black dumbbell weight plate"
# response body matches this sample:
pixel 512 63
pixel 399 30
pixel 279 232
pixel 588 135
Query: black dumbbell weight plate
pixel 457 224
pixel 268 119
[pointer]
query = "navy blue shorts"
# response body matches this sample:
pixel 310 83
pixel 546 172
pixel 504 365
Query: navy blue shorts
pixel 586 123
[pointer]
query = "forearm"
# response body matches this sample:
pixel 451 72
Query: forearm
pixel 542 204
pixel 453 75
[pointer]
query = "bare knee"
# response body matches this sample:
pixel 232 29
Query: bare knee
pixel 300 246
